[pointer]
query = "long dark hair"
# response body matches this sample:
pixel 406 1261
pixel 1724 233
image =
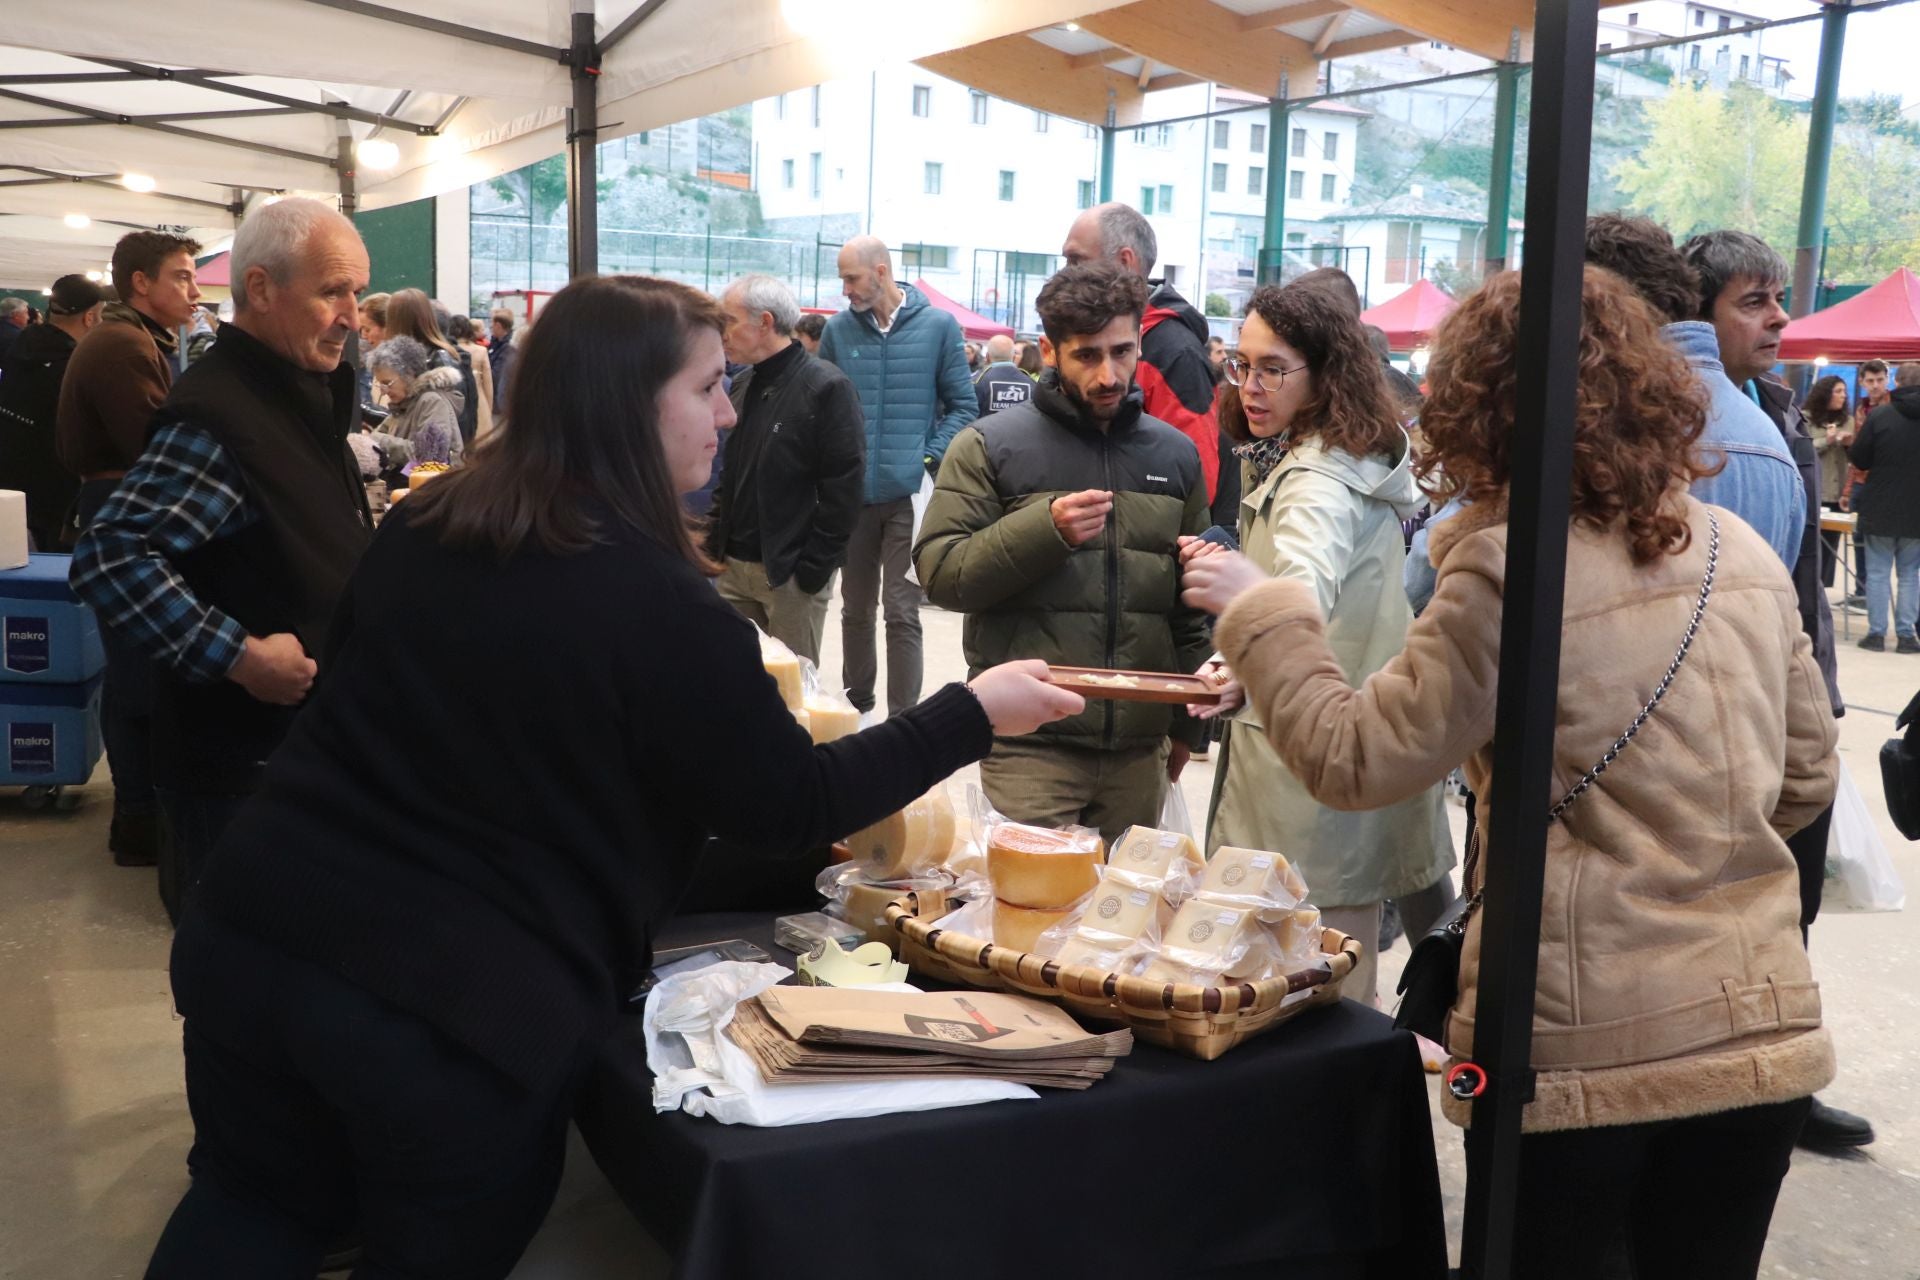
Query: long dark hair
pixel 410 315
pixel 1351 408
pixel 1818 407
pixel 585 431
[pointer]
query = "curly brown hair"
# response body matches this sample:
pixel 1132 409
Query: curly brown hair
pixel 1638 416
pixel 1641 252
pixel 1085 298
pixel 1350 408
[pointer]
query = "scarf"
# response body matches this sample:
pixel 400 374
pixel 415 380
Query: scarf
pixel 1262 455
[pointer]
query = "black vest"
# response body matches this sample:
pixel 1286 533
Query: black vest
pixel 285 431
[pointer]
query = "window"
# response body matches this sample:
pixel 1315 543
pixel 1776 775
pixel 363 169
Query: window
pixel 1403 252
pixel 1299 142
pixel 1222 134
pixel 1220 178
pixel 813 175
pixel 1093 130
pixel 1606 45
pixel 1032 264
pixel 1039 122
pixel 922 100
pixel 1257 138
pixel 1633 19
pixel 1725 22
pixel 1333 146
pixel 786 174
pixel 933 178
pixel 979 106
pixel 926 257
pixel 1006 184
pixel 780 106
pixel 1693 58
pixel 1296 184
pixel 1166 199
pixel 646 137
pixel 1743 66
pixel 1256 180
pixel 1469 259
pixel 1699 18
pixel 1086 193
pixel 816 106
pixel 1327 184
pixel 1146 201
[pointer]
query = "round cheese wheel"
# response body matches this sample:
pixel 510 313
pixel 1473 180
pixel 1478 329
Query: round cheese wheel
pixel 830 719
pixel 1042 869
pixel 916 838
pixel 1020 927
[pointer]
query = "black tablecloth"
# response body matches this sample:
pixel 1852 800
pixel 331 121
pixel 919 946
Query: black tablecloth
pixel 1307 1152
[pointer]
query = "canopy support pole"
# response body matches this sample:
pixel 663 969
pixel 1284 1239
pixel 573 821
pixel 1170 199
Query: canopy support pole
pixel 1813 190
pixel 1506 111
pixel 1106 158
pixel 1539 509
pixel 1273 237
pixel 344 166
pixel 583 131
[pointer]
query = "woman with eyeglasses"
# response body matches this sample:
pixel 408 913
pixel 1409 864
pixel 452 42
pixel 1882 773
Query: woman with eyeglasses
pixel 1327 480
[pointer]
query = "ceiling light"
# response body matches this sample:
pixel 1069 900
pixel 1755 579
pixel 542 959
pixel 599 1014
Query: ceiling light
pixel 1073 26
pixel 78 221
pixel 137 182
pixel 377 153
pixel 95 276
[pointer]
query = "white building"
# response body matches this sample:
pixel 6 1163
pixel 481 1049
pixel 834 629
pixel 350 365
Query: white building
pixel 1729 51
pixel 1395 242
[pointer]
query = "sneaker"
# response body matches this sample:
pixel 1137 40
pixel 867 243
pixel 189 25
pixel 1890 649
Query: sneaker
pixel 1831 1129
pixel 1854 602
pixel 1874 643
pixel 1908 644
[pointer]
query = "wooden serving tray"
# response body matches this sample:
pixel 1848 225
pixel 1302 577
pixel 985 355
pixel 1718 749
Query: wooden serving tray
pixel 1151 686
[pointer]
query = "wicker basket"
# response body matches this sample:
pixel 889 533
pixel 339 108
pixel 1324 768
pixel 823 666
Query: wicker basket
pixel 1201 1022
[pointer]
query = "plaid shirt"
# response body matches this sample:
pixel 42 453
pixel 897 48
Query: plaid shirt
pixel 182 494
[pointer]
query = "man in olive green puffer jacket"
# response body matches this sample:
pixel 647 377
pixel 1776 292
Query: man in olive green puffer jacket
pixel 1054 527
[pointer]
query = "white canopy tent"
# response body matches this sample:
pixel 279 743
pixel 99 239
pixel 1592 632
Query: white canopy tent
pixel 221 103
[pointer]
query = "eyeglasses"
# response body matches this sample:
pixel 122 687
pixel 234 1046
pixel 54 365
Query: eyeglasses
pixel 1268 377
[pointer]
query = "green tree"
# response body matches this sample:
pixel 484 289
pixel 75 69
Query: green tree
pixel 1217 305
pixel 1713 159
pixel 1873 203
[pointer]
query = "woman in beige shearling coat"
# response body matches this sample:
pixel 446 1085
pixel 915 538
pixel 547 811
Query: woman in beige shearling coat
pixel 1677 1025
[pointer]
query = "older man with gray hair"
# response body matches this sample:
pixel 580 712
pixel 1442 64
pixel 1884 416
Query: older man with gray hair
pixel 13 322
pixel 791 488
pixel 226 548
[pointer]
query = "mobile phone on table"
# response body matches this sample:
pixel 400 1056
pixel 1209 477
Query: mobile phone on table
pixel 686 959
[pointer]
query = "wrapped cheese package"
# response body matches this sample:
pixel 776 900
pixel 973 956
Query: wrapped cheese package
pixel 1164 860
pixel 1252 876
pixel 784 667
pixel 830 717
pixel 861 902
pixel 1039 868
pixel 1020 927
pixel 916 839
pixel 1208 942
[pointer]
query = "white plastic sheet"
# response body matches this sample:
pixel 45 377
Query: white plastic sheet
pixel 698 1069
pixel 1860 875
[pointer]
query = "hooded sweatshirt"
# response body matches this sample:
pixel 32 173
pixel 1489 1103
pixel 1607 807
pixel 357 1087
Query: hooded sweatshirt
pixel 1888 450
pixel 1176 379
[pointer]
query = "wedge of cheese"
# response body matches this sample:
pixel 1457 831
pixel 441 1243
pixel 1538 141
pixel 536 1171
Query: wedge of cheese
pixel 1042 869
pixel 915 839
pixel 1092 953
pixel 1020 927
pixel 1122 912
pixel 1251 874
pixel 1151 856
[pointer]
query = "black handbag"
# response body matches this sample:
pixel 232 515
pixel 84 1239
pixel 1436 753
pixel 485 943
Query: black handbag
pixel 1900 772
pixel 1430 984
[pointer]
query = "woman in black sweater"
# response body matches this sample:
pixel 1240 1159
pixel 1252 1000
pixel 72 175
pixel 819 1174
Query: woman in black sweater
pixel 533 709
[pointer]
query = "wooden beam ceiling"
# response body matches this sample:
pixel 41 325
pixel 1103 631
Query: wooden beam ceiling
pixel 1329 32
pixel 1372 44
pixel 1478 26
pixel 1207 41
pixel 1095 58
pixel 1268 19
pixel 1035 75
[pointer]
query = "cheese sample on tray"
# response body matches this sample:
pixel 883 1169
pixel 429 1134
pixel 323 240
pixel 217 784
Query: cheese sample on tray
pixel 1252 875
pixel 1020 927
pixel 1042 869
pixel 918 837
pixel 1153 857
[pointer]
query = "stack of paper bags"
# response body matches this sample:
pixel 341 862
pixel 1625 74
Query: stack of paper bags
pixel 817 1035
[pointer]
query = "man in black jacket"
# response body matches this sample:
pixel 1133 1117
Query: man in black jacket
pixel 224 551
pixel 796 464
pixel 30 379
pixel 1888 450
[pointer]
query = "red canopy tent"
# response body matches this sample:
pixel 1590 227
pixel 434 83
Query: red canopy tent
pixel 972 323
pixel 214 271
pixel 1881 324
pixel 1410 316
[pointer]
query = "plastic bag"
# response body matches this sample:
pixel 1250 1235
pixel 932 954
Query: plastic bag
pixel 1208 941
pixel 919 500
pixel 784 666
pixel 1253 877
pixel 1173 813
pixel 1163 860
pixel 1116 928
pixel 1038 868
pixel 698 1069
pixel 1860 875
pixel 852 897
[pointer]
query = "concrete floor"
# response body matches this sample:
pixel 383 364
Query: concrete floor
pixel 94 1126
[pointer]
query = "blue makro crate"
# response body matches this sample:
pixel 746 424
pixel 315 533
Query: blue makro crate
pixel 51 733
pixel 46 636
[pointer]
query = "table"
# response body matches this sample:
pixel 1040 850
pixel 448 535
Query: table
pixel 1307 1152
pixel 1846 524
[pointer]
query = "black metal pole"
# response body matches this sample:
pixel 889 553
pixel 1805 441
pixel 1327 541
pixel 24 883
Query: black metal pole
pixel 583 131
pixel 1539 508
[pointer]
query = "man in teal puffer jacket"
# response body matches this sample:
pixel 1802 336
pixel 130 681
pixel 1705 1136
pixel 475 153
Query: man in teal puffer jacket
pixel 908 361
